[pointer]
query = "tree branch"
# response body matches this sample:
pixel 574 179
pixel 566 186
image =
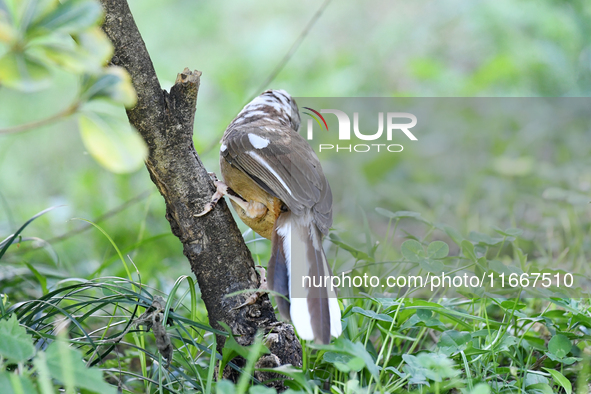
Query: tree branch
pixel 213 244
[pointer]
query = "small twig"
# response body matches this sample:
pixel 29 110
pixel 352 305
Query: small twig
pixel 539 362
pixel 433 336
pixel 292 50
pixel 43 122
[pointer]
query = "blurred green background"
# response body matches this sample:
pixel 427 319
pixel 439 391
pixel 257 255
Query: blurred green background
pixel 356 49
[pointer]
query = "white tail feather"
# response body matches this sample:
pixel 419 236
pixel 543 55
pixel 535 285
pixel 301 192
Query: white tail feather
pixel 299 309
pixel 336 328
pixel 301 319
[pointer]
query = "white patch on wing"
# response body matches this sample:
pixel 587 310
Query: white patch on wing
pixel 223 148
pixel 262 162
pixel 258 142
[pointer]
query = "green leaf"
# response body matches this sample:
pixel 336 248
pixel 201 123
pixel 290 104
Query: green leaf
pixel 561 380
pixel 468 250
pixel 412 250
pixel 260 389
pixel 453 234
pixel 533 378
pixel 388 302
pixel 398 214
pixel 396 371
pixel 40 278
pixel 8 33
pixel 484 239
pixel 344 362
pixel 437 250
pixel 332 357
pixel 428 366
pixel 505 343
pixel 22 72
pixel 511 304
pixel 565 360
pixel 343 345
pixel 113 84
pixel 87 54
pixel 539 388
pixel 510 232
pixel 433 266
pixel 71 16
pixel 42 8
pixel 559 345
pixel 498 267
pixel 11 383
pixel 480 388
pixel 43 376
pixel 357 349
pixel 424 314
pixel 15 344
pixel 371 314
pixel 225 387
pixel 112 142
pixel 453 341
pixel 359 255
pixel 66 364
pixel 422 318
pixel 291 372
pixel 95 44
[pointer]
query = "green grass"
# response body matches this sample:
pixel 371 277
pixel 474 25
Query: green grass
pixel 434 345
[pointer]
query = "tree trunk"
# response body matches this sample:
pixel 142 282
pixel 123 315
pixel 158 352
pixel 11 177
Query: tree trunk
pixel 213 244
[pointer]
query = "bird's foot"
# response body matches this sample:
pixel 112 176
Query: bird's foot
pixel 253 298
pixel 221 191
pixel 253 209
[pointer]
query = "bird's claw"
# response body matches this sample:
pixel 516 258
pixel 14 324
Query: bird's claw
pixel 221 191
pixel 253 298
pixel 208 207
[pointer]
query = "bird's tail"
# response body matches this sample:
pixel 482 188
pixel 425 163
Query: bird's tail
pixel 298 270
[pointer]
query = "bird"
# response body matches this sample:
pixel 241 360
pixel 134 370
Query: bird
pixel 276 185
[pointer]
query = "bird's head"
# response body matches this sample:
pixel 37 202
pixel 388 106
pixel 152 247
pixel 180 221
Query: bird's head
pixel 272 106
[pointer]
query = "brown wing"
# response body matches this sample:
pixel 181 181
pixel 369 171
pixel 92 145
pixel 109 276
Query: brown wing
pixel 283 164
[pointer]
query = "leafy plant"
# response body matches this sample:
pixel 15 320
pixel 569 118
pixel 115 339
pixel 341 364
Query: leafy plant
pixel 37 368
pixel 37 37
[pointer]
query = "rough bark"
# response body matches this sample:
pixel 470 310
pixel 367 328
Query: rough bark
pixel 213 244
